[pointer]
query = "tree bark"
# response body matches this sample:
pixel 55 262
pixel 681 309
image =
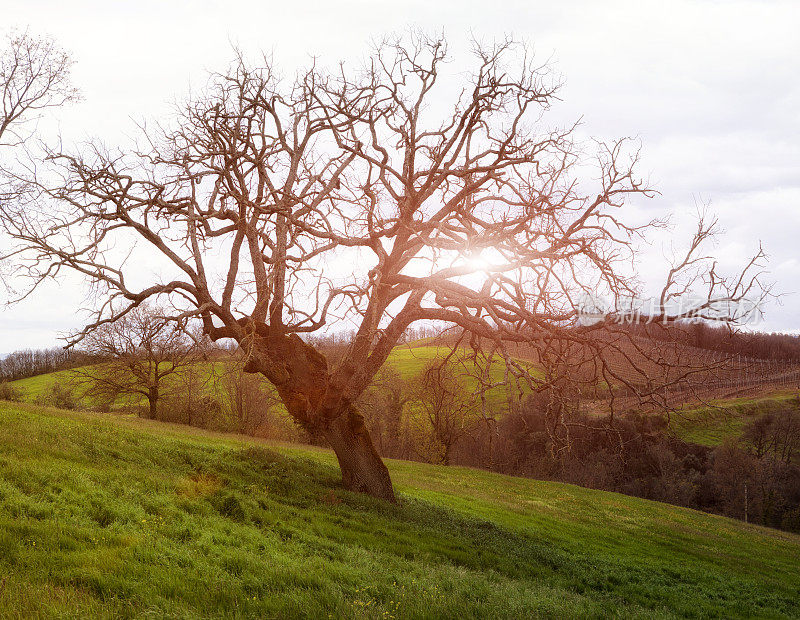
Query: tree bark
pixel 300 374
pixel 152 400
pixel 362 468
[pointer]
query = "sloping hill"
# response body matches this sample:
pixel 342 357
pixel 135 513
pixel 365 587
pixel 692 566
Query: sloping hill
pixel 721 420
pixel 114 516
pixel 407 360
pixel 32 387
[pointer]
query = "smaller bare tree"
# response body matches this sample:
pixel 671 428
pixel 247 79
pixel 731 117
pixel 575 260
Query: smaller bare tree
pixel 446 405
pixel 775 435
pixel 143 350
pixel 382 405
pixel 249 399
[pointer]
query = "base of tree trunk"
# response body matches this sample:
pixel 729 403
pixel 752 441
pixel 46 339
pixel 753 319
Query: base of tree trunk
pixel 362 468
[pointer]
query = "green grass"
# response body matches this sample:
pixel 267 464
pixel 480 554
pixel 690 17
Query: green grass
pixel 408 361
pixel 724 420
pixel 32 387
pixel 108 515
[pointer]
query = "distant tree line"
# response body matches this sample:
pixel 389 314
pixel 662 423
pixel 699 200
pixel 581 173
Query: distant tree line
pixel 703 335
pixel 31 362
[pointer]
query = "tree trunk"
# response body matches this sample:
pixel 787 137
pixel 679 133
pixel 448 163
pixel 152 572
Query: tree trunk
pixel 300 374
pixel 446 455
pixel 362 468
pixel 152 400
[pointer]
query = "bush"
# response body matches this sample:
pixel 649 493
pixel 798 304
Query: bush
pixel 185 407
pixel 9 392
pixel 59 396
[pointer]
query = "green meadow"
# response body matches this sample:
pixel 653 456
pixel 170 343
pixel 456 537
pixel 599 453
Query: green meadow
pixel 722 420
pixel 108 515
pixel 407 361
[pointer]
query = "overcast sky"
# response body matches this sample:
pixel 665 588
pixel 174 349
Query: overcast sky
pixel 712 89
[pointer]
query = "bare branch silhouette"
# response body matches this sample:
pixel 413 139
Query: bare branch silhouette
pixel 283 208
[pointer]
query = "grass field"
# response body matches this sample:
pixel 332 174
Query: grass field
pixel 34 388
pixel 108 515
pixel 408 361
pixel 721 420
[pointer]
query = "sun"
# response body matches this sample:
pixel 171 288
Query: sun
pixel 478 263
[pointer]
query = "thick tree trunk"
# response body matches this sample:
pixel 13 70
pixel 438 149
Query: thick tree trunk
pixel 152 401
pixel 362 468
pixel 300 374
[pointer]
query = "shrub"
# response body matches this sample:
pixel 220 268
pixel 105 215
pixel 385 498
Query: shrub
pixel 9 391
pixel 59 396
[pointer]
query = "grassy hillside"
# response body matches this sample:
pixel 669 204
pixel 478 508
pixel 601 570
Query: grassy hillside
pixel 114 516
pixel 408 361
pixel 34 388
pixel 725 419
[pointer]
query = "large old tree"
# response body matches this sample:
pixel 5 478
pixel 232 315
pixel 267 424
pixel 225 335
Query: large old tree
pixel 371 199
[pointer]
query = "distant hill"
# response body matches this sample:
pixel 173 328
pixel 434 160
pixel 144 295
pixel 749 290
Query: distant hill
pixel 721 417
pixel 720 420
pixel 407 360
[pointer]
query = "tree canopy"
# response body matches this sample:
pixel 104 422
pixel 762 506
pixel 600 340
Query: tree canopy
pixel 377 197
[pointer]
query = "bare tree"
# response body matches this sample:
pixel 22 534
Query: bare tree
pixel 249 401
pixel 373 199
pixel 34 76
pixel 382 405
pixel 143 351
pixel 446 405
pixel 775 434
